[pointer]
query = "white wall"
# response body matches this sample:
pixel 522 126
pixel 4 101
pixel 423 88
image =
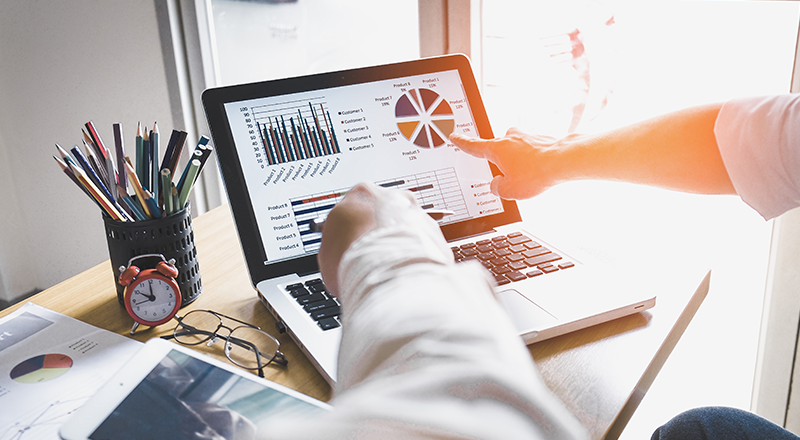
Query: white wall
pixel 61 65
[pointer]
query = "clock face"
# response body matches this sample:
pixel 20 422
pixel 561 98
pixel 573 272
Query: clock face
pixel 153 299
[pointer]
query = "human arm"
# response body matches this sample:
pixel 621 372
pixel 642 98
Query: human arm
pixel 426 350
pixel 677 150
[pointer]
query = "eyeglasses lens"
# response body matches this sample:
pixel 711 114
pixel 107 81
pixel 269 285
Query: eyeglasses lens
pixel 196 327
pixel 243 342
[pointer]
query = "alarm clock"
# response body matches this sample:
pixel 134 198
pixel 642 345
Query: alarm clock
pixel 152 296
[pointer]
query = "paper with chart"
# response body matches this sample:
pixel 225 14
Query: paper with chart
pixel 50 364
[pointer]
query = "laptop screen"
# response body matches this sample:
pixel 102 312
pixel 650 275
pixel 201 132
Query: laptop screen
pixel 296 146
pixel 301 152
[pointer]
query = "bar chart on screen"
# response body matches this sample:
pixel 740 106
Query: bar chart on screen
pixel 293 131
pixel 433 189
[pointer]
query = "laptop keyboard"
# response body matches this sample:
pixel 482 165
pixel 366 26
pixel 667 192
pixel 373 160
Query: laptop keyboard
pixel 315 299
pixel 512 257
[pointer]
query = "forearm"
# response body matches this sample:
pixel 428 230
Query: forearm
pixel 427 349
pixel 677 151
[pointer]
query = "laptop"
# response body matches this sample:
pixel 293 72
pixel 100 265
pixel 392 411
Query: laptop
pixel 289 149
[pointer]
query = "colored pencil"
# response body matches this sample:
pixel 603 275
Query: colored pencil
pixel 137 187
pixel 207 150
pixel 106 204
pixel 96 140
pixel 176 152
pixel 155 177
pixel 173 140
pixel 90 172
pixel 64 155
pixel 184 190
pixel 152 205
pixel 121 192
pixel 166 181
pixel 174 191
pixel 95 164
pixel 134 207
pixel 68 171
pixel 147 157
pixel 139 151
pixel 105 157
pixel 196 155
pixel 119 146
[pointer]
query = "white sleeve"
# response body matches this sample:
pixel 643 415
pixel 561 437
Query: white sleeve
pixel 427 352
pixel 759 139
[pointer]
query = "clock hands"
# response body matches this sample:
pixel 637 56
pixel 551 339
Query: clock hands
pixel 151 297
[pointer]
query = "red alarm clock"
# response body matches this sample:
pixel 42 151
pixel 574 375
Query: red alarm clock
pixel 152 296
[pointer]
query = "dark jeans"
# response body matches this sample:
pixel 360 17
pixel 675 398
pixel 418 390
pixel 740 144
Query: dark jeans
pixel 712 423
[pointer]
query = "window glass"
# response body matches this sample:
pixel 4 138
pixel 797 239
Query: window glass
pixel 260 40
pixel 588 66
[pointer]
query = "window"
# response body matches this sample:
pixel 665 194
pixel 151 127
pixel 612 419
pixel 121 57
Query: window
pixel 592 65
pixel 261 40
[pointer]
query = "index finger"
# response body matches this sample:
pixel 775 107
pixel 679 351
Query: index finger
pixel 473 146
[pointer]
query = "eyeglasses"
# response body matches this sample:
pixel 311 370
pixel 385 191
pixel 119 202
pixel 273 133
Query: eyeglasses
pixel 245 345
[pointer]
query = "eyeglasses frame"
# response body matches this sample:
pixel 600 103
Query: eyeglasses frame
pixel 278 357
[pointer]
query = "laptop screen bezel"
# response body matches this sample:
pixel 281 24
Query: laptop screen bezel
pixel 214 100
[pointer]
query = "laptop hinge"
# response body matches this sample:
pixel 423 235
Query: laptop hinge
pixel 469 237
pixel 309 272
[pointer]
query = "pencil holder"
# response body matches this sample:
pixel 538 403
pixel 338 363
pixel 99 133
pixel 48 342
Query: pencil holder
pixel 170 236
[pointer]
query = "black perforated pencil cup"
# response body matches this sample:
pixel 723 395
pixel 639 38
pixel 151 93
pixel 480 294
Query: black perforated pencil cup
pixel 171 236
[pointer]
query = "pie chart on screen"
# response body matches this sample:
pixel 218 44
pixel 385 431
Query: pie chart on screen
pixel 41 368
pixel 424 118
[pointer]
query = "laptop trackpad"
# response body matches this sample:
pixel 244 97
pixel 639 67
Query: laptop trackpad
pixel 526 315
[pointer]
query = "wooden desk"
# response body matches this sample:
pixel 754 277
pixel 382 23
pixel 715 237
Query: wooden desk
pixel 601 373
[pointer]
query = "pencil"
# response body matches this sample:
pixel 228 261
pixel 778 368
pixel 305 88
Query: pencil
pixel 134 207
pixel 69 163
pixel 64 155
pixel 147 157
pixel 95 156
pixel 139 151
pixel 92 159
pixel 166 180
pixel 92 175
pixel 95 137
pixel 173 140
pixel 137 187
pixel 66 169
pixel 122 192
pixel 107 206
pixel 119 146
pixel 155 170
pixel 105 155
pixel 174 192
pixel 206 149
pixel 176 152
pixel 152 205
pixel 196 155
pixel 183 190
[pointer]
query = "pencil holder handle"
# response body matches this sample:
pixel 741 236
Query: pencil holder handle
pixel 170 236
